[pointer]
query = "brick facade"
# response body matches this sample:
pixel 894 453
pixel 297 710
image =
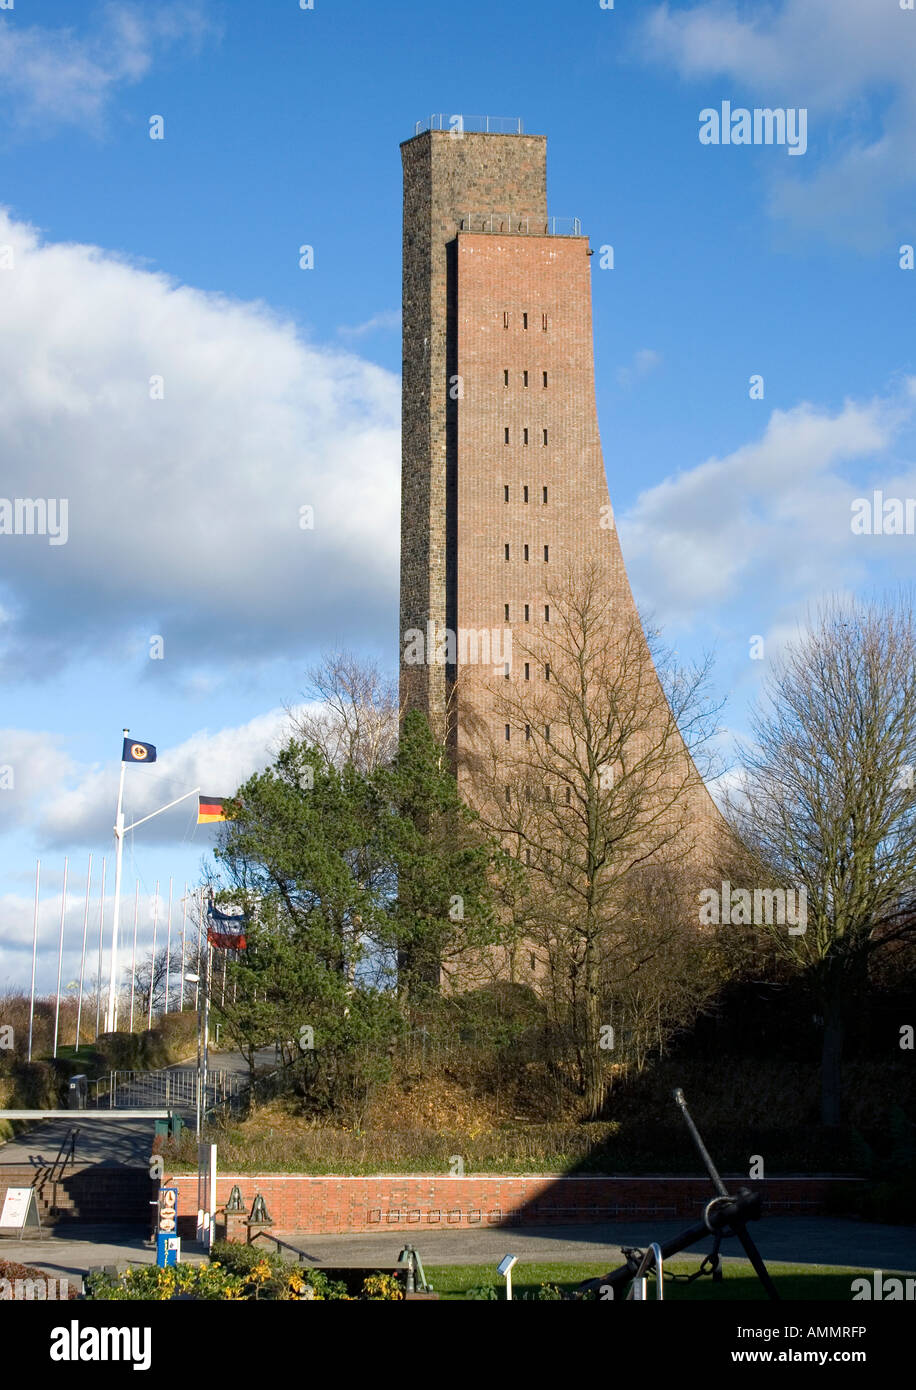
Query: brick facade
pixel 336 1205
pixel 498 404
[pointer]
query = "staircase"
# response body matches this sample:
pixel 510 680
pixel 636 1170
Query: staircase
pixel 97 1194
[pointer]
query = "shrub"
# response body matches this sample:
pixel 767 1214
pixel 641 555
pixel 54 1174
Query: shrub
pixel 381 1288
pixel 36 1086
pixel 545 1293
pixel 18 1282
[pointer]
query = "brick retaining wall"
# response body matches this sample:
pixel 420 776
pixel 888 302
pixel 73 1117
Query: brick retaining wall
pixel 334 1205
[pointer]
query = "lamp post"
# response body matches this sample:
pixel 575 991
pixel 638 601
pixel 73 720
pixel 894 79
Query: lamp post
pixel 203 1036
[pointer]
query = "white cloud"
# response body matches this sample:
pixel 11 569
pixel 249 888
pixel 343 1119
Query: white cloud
pixel 31 764
pixel 386 322
pixel 185 513
pixel 53 77
pixel 773 517
pixel 852 63
pixel 78 805
pixel 645 360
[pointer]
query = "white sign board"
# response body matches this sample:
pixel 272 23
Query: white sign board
pixel 17 1207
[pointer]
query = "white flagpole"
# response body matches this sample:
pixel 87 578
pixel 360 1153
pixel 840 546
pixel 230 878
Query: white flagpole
pixel 79 1006
pixel 98 980
pixel 200 927
pixel 168 950
pixel 111 1017
pixel 184 918
pixel 34 954
pixel 60 954
pixel 152 968
pixel 133 959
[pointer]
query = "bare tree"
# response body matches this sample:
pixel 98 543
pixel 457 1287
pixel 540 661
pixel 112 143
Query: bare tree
pixel 354 712
pixel 595 789
pixel 827 801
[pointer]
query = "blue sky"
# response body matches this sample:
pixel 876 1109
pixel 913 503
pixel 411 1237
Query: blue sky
pixel 178 258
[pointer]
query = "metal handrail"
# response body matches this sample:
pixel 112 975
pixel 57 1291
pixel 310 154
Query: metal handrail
pixel 638 1288
pixel 510 224
pixel 477 125
pixel 69 1138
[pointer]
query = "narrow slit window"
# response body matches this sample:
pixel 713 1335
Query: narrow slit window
pixel 506 434
pixel 524 320
pixel 506 376
pixel 526 552
pixel 507 612
pixel 546 733
pixel 527 732
pixel 524 436
pixel 506 491
pixel 547 671
pixel 569 796
pixel 545 494
pixel 505 318
pixel 546 553
pixel 545 436
pixel 507 550
pixel 525 494
pixel 546 612
pixel 545 378
pixel 544 322
pixel 527 670
pixel 507 733
pixel 525 378
pixel 526 613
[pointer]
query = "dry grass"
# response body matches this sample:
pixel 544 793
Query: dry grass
pixel 419 1125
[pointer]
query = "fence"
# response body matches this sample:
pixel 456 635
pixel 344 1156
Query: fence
pixel 176 1090
pixel 481 125
pixel 512 225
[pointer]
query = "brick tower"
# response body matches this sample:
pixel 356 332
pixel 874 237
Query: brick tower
pixel 503 480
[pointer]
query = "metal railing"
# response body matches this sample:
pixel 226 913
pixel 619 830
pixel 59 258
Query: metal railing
pixel 509 224
pixel 136 1090
pixel 479 125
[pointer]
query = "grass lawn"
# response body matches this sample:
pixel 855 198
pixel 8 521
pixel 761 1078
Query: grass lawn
pixel 740 1283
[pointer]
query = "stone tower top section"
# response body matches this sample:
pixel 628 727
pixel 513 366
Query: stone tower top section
pixel 448 174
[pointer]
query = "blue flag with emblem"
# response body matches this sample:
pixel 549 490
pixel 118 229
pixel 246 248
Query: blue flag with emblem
pixel 136 752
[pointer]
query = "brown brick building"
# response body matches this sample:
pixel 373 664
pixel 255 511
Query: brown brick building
pixel 503 481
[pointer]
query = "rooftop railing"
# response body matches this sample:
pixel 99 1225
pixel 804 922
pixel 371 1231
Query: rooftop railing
pixel 511 225
pixel 481 125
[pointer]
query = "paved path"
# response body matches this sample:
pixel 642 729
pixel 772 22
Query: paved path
pixel 803 1240
pixel 99 1141
pixel 118 1141
pixel 813 1241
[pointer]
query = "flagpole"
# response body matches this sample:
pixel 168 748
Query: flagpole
pixel 34 954
pixel 79 1006
pixel 168 949
pixel 184 918
pixel 98 978
pixel 199 926
pixel 152 969
pixel 60 954
pixel 133 959
pixel 111 1017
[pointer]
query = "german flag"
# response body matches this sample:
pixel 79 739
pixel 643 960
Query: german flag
pixel 210 809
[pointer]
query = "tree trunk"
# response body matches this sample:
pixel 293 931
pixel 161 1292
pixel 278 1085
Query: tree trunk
pixel 595 1082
